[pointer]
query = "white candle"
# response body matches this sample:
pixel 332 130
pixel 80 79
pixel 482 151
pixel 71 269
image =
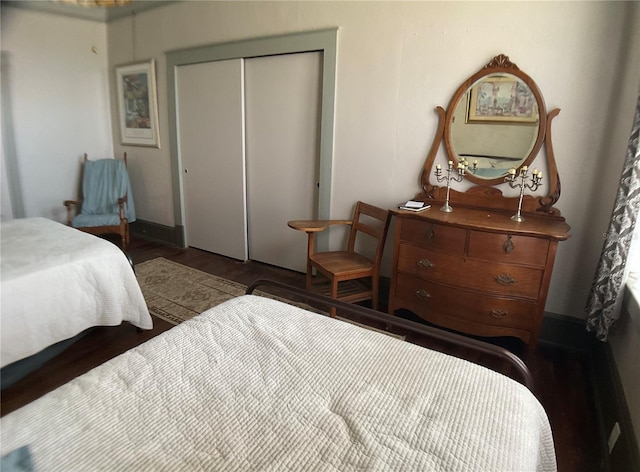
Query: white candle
pixel 438 167
pixel 450 163
pixel 512 171
pixel 540 174
pixel 524 168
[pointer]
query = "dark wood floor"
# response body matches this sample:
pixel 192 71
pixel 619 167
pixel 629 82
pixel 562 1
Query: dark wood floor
pixel 562 381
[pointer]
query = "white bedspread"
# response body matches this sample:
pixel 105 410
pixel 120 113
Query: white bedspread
pixel 57 282
pixel 255 384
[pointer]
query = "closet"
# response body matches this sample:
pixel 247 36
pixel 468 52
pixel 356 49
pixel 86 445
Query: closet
pixel 248 138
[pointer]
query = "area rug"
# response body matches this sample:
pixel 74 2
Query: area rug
pixel 176 293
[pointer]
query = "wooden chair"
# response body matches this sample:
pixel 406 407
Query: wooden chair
pixel 107 205
pixel 348 265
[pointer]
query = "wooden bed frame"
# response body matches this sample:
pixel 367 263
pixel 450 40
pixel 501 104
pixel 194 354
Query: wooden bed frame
pixel 368 315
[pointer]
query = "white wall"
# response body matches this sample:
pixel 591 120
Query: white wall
pixel 396 62
pixel 55 106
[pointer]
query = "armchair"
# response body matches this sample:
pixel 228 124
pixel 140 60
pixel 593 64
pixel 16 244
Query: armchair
pixel 107 206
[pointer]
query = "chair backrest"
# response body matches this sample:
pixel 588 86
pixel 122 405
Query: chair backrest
pixel 373 221
pixel 105 181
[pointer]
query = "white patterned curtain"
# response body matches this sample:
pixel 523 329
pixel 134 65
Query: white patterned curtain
pixel 603 306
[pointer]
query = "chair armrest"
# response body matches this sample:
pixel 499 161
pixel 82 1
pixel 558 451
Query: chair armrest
pixel 69 204
pixel 121 202
pixel 315 226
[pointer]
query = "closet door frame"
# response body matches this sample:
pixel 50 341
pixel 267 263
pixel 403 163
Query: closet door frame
pixel 324 41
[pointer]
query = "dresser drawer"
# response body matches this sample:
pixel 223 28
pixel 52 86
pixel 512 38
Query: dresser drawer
pixel 507 248
pixel 471 274
pixel 431 264
pixel 429 235
pixel 435 302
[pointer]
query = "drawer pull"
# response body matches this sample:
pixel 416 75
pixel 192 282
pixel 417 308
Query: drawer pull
pixel 505 279
pixel 499 314
pixel 425 264
pixel 508 245
pixel 422 294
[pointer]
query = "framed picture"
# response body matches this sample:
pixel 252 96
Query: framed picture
pixel 138 104
pixel 502 99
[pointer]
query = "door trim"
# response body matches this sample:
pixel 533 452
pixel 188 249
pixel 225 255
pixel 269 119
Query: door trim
pixel 324 40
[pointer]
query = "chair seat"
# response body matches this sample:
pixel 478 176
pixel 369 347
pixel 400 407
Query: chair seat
pixel 343 262
pixel 346 268
pixel 82 220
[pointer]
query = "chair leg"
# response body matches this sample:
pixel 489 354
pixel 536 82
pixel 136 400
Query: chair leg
pixel 375 282
pixel 309 279
pixel 334 295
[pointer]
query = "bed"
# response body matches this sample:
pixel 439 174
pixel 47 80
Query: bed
pixel 258 384
pixel 56 282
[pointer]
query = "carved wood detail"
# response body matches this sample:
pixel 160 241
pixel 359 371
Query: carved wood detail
pixel 501 61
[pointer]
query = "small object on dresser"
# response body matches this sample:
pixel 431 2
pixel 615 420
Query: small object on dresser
pixel 412 205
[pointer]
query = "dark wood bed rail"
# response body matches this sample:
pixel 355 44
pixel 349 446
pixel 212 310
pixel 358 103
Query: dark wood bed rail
pixel 368 314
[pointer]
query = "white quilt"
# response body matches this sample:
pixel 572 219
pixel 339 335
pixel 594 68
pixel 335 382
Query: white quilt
pixel 57 282
pixel 254 384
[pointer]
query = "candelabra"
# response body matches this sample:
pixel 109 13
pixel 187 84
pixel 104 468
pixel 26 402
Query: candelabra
pixel 457 177
pixel 520 180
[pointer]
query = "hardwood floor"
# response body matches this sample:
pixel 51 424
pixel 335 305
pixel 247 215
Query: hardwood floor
pixel 562 379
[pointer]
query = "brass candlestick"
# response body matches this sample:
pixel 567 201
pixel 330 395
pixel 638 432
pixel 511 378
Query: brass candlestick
pixel 520 181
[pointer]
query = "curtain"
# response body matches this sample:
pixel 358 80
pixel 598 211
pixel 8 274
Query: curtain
pixel 605 298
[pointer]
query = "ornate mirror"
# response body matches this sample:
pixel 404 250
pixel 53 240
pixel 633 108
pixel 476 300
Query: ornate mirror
pixel 495 121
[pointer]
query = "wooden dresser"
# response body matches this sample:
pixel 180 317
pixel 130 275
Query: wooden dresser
pixel 479 261
pixel 474 270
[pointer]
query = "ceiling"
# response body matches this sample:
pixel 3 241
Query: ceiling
pixel 94 13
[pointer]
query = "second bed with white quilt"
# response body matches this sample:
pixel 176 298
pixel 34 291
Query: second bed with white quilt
pixel 257 384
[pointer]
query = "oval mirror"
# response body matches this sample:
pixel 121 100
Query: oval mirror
pixel 495 122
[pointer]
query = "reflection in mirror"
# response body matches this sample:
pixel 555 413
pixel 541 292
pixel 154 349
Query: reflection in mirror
pixel 495 125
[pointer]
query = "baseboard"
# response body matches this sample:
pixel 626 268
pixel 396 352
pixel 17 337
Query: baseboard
pixel 169 235
pixel 566 332
pixel 611 407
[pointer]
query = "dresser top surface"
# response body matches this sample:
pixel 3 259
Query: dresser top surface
pixel 496 221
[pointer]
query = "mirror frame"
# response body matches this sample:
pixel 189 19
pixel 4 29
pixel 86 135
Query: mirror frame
pixel 486 193
pixel 499 65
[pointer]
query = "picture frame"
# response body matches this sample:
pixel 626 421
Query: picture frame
pixel 138 104
pixel 502 99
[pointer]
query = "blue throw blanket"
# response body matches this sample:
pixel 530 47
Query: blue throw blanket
pixel 104 182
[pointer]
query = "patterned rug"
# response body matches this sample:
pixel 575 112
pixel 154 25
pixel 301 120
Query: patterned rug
pixel 177 293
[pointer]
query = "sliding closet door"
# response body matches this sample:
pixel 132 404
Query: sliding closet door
pixel 283 95
pixel 210 113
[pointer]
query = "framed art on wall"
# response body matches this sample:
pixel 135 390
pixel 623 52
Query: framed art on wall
pixel 503 99
pixel 138 104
